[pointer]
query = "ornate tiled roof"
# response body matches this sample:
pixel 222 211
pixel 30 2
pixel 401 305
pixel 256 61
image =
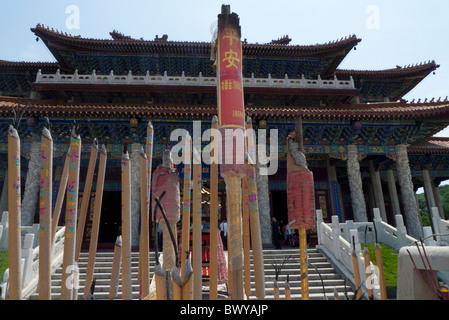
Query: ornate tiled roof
pixel 422 69
pixel 432 145
pixel 21 66
pixel 387 110
pixel 121 43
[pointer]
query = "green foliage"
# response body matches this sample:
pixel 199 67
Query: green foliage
pixel 422 204
pixel 390 266
pixel 3 263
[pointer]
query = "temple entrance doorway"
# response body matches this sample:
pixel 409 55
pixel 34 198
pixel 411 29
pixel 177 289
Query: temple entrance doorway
pixel 110 220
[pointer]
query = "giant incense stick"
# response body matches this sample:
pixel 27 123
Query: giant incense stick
pixel 145 241
pixel 231 114
pixel 196 229
pixel 68 265
pixel 213 280
pixel 85 199
pixel 60 197
pixel 186 198
pixel 126 226
pixel 144 234
pixel 14 210
pixel 45 206
pixel 96 220
pixel 256 237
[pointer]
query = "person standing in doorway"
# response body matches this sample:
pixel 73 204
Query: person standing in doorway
pixel 276 232
pixel 224 234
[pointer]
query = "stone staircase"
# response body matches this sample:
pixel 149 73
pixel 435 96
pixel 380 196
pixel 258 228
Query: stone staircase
pixel 331 279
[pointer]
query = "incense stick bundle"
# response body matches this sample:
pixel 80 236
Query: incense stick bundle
pixel 303 263
pixel 186 198
pixel 213 278
pixel 60 197
pixel 196 230
pixel 144 232
pixel 14 210
pixel 45 208
pixel 68 265
pixel 96 220
pixel 86 198
pixel 126 226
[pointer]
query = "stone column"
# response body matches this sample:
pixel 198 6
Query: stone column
pixel 263 195
pixel 336 200
pixel 437 195
pixel 393 193
pixel 355 185
pixel 428 191
pixel 135 193
pixel 377 190
pixel 32 184
pixel 411 210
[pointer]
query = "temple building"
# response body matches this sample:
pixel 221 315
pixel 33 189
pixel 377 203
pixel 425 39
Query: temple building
pixel 367 146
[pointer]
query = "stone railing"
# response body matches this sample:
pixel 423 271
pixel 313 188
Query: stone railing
pixel 183 80
pixel 30 259
pixel 339 250
pixel 440 234
pixel 338 240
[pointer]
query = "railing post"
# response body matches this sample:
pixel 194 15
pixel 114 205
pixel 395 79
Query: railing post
pixel 302 84
pixel 75 76
pixel 402 231
pixel 129 77
pixel 111 77
pixel 378 222
pixel 428 241
pixel 93 76
pixel 147 77
pixel 165 78
pixel 435 219
pixel 39 76
pixel 287 81
pixel 183 78
pixel 319 220
pixel 27 255
pixel 336 237
pixel 5 224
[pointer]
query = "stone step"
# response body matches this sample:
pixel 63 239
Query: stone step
pixel 272 257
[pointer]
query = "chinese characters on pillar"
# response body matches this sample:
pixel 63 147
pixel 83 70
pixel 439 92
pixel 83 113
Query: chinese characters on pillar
pixel 230 84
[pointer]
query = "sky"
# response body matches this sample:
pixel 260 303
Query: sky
pixel 399 32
